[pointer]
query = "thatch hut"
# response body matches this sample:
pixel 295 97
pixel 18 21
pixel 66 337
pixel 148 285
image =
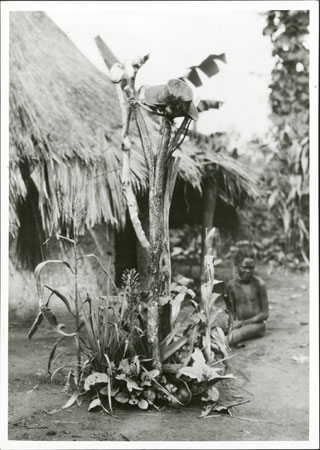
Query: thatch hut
pixel 65 132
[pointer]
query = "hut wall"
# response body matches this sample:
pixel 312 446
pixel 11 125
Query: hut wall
pixel 23 301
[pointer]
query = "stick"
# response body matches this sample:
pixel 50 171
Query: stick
pixel 237 417
pixel 239 403
pixel 126 181
pixel 250 420
pixel 162 154
pixel 143 133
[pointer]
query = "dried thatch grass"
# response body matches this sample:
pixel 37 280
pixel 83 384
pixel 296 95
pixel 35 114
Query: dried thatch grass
pixel 65 125
pixel 65 132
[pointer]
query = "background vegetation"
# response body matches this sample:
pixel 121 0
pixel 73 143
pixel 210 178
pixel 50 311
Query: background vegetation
pixel 285 176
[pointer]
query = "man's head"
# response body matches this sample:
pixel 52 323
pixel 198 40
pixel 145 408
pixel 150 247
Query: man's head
pixel 245 263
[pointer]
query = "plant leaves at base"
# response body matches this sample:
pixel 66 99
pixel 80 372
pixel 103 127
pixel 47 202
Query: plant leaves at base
pixel 143 404
pixel 122 397
pixel 94 378
pixel 96 402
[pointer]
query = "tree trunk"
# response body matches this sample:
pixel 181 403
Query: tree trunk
pixel 165 310
pixel 154 275
pixel 141 254
pixel 156 221
pixel 165 313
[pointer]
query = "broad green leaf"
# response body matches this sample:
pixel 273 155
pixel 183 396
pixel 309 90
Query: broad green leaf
pixel 94 378
pixel 105 390
pixel 96 402
pixel 194 372
pixel 131 384
pixel 124 365
pixel 122 397
pixel 143 404
pixel 198 357
pixel 34 327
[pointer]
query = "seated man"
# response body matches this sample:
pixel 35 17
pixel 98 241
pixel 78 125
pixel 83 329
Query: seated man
pixel 248 298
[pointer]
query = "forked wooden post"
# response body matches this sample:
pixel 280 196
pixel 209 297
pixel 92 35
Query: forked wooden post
pixel 162 170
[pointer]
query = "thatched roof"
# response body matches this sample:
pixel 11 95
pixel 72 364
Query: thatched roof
pixel 64 124
pixel 65 132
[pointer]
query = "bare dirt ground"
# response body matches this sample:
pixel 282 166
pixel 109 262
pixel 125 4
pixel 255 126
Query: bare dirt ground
pixel 275 384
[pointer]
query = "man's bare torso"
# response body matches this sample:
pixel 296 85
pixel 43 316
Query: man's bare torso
pixel 247 297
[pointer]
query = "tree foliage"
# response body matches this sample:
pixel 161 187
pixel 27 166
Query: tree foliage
pixel 287 174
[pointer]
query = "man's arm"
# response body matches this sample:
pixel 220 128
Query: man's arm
pixel 232 300
pixel 229 299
